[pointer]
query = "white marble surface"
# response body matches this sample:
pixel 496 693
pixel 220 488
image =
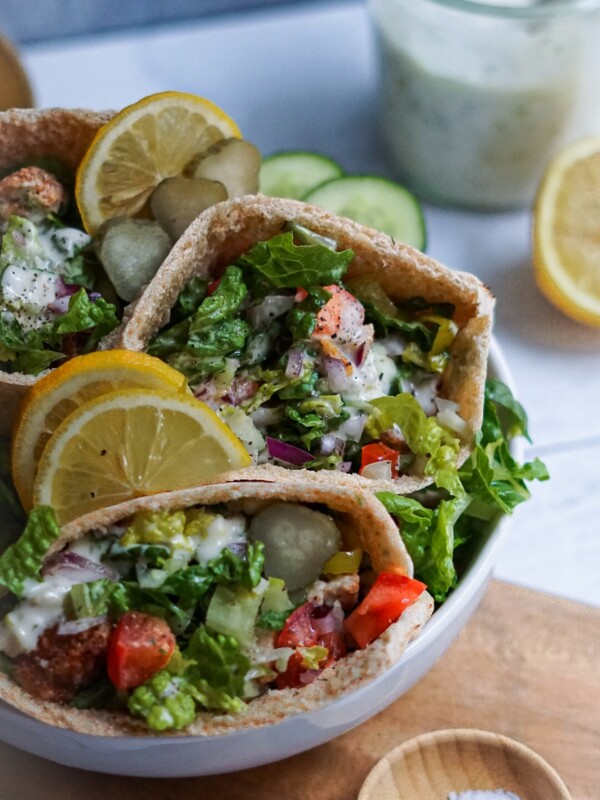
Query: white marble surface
pixel 305 78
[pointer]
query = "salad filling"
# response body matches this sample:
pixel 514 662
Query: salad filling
pixel 167 613
pixel 50 306
pixel 315 369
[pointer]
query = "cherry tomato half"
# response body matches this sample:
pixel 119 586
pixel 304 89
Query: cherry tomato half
pixel 139 646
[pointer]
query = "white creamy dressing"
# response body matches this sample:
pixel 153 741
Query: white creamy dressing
pixel 33 282
pixel 60 245
pixel 373 378
pixel 221 532
pixel 27 293
pixel 41 605
pixel 40 608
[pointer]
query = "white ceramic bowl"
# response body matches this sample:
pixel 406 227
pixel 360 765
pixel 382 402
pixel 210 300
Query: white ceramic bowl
pixel 177 756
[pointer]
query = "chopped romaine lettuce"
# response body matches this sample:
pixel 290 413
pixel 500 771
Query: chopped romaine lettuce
pixel 83 314
pixel 219 671
pixel 492 483
pixel 302 318
pixel 24 558
pixel 280 264
pixel 155 527
pixel 233 611
pixel 166 702
pixel 424 435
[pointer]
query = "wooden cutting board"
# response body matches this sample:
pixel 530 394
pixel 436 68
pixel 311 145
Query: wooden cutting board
pixel 527 666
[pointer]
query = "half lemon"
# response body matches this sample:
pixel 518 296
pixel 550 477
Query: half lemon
pixel 566 232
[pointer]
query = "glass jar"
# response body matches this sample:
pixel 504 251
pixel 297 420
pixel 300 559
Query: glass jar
pixel 477 96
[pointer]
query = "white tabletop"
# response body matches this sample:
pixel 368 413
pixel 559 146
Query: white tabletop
pixel 305 78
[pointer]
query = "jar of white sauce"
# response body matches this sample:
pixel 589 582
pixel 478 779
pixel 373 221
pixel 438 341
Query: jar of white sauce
pixel 477 96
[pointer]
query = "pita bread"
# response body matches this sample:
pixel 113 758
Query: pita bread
pixel 58 133
pixel 353 508
pixel 225 231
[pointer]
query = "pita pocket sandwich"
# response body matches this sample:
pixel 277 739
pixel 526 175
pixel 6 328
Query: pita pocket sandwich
pixel 208 610
pixel 322 343
pixel 43 261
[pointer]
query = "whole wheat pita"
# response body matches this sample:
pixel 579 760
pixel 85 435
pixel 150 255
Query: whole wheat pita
pixel 352 508
pixel 227 230
pixel 57 134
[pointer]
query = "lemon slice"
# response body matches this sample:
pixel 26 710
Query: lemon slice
pixel 58 394
pixel 566 232
pixel 142 145
pixel 132 443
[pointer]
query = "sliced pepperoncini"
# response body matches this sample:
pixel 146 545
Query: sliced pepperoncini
pixel 344 562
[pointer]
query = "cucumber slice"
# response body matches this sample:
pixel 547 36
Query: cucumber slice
pixel 376 202
pixel 293 174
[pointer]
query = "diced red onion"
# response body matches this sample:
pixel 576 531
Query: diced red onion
pixel 282 451
pixel 77 568
pixel 65 289
pixel 73 626
pixel 325 623
pixel 360 354
pixel 273 306
pixel 308 676
pixel 353 428
pixel 330 443
pixel 60 305
pixel 295 363
pixel 336 374
pixel 424 392
pixel 241 389
pixel 448 417
pixel 93 296
pixel 378 471
pixel 344 466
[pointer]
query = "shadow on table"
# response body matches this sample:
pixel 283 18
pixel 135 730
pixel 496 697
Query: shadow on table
pixel 523 312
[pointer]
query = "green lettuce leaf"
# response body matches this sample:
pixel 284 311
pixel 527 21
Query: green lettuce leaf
pixel 218 674
pixel 514 414
pixel 273 620
pixel 24 351
pixel 301 319
pixel 96 598
pixel 423 434
pixel 84 314
pixel 199 344
pixel 222 303
pixel 493 483
pixel 24 558
pixel 280 264
pixel 228 569
pixel 190 298
pixel 429 538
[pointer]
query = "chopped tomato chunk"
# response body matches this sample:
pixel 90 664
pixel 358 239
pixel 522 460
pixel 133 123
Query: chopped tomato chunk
pixel 388 598
pixel 139 646
pixel 213 286
pixel 301 294
pixel 308 626
pixel 342 305
pixel 377 451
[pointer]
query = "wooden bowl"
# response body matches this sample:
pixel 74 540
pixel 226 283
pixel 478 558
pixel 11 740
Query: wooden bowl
pixel 432 765
pixel 15 91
